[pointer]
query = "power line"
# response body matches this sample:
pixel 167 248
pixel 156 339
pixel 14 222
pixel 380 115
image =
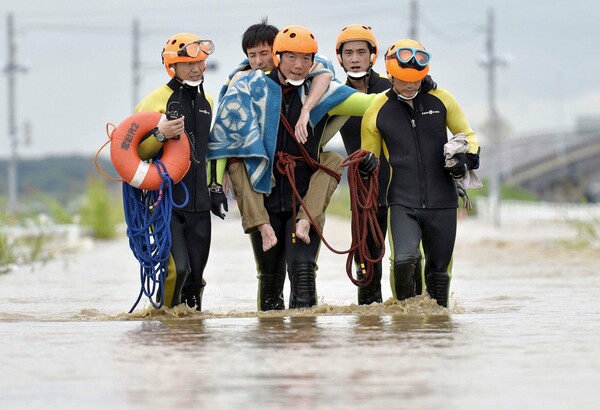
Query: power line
pixel 77 28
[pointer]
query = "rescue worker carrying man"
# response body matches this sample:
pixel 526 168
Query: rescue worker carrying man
pixel 255 121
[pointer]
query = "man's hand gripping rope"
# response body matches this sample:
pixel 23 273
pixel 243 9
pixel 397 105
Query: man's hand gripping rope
pixel 363 182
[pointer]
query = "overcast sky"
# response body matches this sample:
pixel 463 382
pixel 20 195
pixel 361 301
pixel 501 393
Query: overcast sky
pixel 79 55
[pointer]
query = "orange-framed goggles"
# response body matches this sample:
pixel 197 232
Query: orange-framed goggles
pixel 193 49
pixel 409 57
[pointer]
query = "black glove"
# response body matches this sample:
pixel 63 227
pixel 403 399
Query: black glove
pixel 459 167
pixel 218 200
pixel 462 163
pixel 368 165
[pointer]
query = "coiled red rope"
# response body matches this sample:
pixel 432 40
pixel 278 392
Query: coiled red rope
pixel 363 200
pixel 363 206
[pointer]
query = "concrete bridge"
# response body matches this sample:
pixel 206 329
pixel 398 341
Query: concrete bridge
pixel 562 167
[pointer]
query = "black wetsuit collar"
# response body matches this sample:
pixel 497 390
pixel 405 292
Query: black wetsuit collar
pixel 175 84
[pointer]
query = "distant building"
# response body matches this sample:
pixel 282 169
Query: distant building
pixel 588 124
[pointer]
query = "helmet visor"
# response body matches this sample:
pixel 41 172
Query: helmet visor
pixel 411 58
pixel 193 49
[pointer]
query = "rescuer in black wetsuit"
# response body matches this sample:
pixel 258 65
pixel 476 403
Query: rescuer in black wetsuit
pixel 184 57
pixel 409 123
pixel 356 49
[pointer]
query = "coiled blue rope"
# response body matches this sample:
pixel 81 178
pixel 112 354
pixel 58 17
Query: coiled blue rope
pixel 148 218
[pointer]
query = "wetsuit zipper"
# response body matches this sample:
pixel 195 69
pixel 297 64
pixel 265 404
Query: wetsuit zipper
pixel 194 176
pixel 421 176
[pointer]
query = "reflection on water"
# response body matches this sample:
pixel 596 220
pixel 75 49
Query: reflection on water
pixel 299 359
pixel 283 331
pixel 177 334
pixel 519 334
pixel 295 359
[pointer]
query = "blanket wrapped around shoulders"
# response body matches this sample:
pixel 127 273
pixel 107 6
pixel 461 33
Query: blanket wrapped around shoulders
pixel 247 123
pixel 321 65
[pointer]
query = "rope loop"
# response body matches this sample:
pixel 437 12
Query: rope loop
pixel 148 218
pixel 364 207
pixel 109 134
pixel 363 202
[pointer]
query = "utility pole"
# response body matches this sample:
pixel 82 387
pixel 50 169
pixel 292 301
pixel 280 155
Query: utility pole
pixel 135 63
pixel 11 70
pixel 413 20
pixel 495 127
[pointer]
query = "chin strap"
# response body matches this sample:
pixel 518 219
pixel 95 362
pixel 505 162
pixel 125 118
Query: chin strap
pixel 403 98
pixel 193 83
pixel 359 75
pixel 293 83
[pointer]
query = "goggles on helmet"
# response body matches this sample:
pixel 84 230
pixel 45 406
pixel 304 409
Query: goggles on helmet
pixel 194 48
pixel 411 58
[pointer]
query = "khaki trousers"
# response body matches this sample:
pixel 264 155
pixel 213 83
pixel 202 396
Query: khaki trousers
pixel 251 204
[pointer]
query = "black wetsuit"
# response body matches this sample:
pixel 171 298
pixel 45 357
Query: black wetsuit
pixel 190 225
pixel 421 195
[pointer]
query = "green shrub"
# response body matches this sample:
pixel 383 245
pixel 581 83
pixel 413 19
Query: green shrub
pixel 506 192
pixel 7 255
pixel 58 213
pixel 102 211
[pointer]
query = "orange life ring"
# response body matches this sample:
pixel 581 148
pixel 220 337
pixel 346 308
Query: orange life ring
pixel 125 139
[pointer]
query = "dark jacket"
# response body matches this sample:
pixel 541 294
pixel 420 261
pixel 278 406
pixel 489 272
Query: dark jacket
pixel 196 106
pixel 350 132
pixel 413 141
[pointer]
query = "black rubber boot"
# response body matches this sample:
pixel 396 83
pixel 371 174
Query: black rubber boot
pixel 419 277
pixel 438 287
pixel 303 292
pixel 404 279
pixel 194 298
pixel 371 293
pixel 180 284
pixel 270 292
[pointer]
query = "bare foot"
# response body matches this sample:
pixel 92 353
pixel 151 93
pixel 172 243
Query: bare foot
pixel 302 230
pixel 269 239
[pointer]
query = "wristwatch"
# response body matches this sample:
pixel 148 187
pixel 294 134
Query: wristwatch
pixel 160 137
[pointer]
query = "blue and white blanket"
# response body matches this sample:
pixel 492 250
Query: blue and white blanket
pixel 243 66
pixel 321 65
pixel 247 123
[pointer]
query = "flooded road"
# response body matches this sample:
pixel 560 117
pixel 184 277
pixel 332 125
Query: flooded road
pixel 522 332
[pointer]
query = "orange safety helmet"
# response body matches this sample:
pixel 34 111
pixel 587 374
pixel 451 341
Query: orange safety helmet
pixel 294 38
pixel 185 48
pixel 411 70
pixel 356 32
